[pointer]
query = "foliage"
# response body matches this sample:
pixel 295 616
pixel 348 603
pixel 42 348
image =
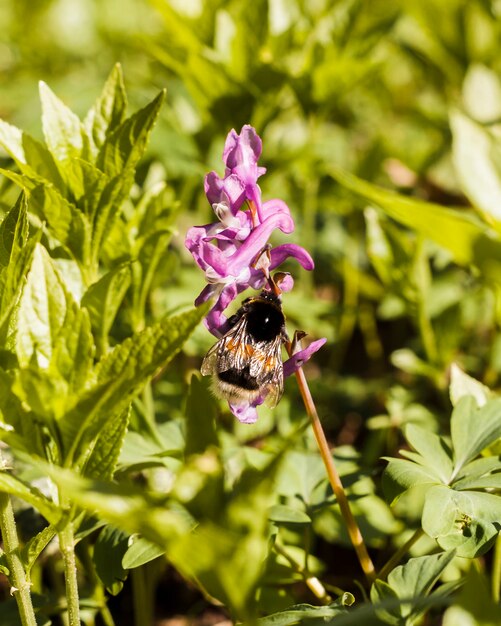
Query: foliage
pixel 380 123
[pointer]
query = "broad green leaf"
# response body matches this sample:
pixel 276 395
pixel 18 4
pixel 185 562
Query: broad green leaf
pixel 63 131
pixel 413 580
pixel 463 385
pixel 449 228
pixel 465 520
pixel 308 614
pixel 201 412
pixel 124 147
pixel 31 495
pixel 122 374
pixel 140 552
pixel 108 111
pixel 479 177
pixel 433 449
pixel 109 549
pixel 41 312
pixel 103 300
pixel 401 475
pixel 473 428
pixel 283 514
pixel 126 506
pixel 140 450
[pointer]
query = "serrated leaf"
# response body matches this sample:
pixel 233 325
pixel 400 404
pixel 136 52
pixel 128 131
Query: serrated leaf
pixel 105 451
pixel 41 312
pixel 463 385
pixel 103 300
pixel 35 546
pixel 433 449
pixel 109 549
pixel 472 155
pixel 31 495
pixel 141 552
pixel 401 475
pixel 473 429
pixel 108 112
pixel 124 147
pixel 123 373
pixel 63 131
pixel 466 240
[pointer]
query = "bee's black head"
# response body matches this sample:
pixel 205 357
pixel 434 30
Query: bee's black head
pixel 265 320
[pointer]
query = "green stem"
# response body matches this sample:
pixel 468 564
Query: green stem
pixel 143 613
pixel 399 554
pixel 496 571
pixel 17 576
pixel 67 544
pixel 334 479
pixel 312 582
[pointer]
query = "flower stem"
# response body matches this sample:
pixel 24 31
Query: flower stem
pixel 335 481
pixel 399 554
pixel 67 543
pixel 17 576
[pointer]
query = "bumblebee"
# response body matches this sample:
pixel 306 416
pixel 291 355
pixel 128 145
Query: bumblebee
pixel 246 363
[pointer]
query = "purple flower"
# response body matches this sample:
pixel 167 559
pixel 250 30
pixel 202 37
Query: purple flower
pixel 230 250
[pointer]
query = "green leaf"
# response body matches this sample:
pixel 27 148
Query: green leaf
pixel 63 131
pixel 401 475
pixel 480 179
pixel 103 455
pixel 41 312
pixel 31 495
pixel 283 514
pixel 122 374
pixel 201 412
pixel 433 450
pixel 307 614
pixel 35 546
pixel 474 605
pixel 109 549
pixel 411 581
pixel 449 228
pixel 108 112
pixel 463 385
pixel 103 300
pixel 465 520
pixel 124 147
pixel 473 428
pixel 140 552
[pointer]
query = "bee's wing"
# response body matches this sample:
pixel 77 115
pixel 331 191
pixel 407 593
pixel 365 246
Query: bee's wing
pixel 210 360
pixel 227 352
pixel 266 365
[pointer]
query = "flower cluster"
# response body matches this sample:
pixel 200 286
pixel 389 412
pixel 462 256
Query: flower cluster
pixel 228 250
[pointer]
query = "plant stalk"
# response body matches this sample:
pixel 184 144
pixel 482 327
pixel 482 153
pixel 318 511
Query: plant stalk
pixel 496 571
pixel 67 544
pixel 399 554
pixel 17 576
pixel 335 481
